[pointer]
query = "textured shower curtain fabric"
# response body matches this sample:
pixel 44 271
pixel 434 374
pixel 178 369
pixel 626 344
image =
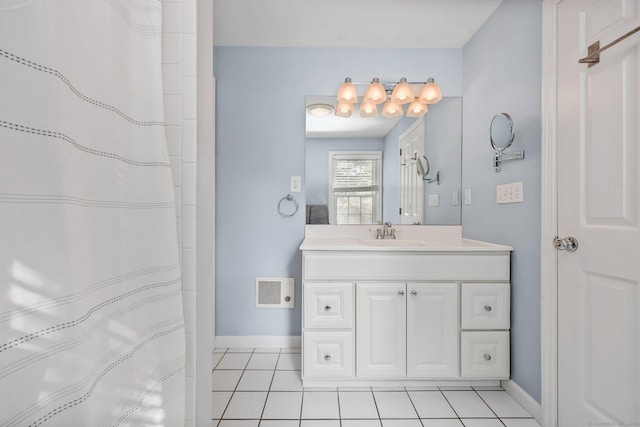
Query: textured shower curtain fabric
pixel 91 324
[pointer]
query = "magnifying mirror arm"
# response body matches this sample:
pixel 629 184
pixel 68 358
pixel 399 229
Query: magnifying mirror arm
pixel 436 179
pixel 501 156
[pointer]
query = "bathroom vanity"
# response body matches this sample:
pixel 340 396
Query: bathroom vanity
pixel 426 308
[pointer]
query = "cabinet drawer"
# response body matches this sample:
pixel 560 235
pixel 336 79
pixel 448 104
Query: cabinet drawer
pixel 484 354
pixel 328 305
pixel 328 354
pixel 485 306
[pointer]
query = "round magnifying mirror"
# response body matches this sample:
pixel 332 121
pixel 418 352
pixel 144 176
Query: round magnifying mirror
pixel 501 132
pixel 422 166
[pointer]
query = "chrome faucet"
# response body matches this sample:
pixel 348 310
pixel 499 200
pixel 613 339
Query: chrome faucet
pixel 387 231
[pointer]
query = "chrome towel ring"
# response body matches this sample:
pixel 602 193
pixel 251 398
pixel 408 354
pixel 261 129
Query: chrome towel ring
pixel 289 198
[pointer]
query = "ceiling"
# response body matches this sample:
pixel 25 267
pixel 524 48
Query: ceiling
pixel 349 23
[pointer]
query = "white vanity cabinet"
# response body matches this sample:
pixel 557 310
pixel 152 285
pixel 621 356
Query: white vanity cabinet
pixel 407 330
pixel 396 314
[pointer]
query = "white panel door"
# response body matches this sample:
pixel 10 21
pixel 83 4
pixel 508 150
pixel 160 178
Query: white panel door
pixel 380 330
pixel 411 184
pixel 599 205
pixel 432 330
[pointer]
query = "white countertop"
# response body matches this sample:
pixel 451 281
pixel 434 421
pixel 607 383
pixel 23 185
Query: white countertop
pixel 408 239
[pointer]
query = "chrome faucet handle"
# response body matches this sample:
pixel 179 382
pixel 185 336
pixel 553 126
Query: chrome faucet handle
pixel 379 235
pixel 392 233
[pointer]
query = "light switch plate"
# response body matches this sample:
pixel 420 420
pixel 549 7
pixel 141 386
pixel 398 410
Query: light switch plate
pixel 467 196
pixel 509 193
pixel 296 184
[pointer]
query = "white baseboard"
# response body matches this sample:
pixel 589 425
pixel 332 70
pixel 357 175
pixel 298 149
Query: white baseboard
pixel 259 341
pixel 523 398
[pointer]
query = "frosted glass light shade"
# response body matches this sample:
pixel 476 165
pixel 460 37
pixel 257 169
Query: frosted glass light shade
pixel 402 93
pixel 344 110
pixel 430 93
pixel 347 93
pixel 375 93
pixel 416 109
pixel 368 110
pixel 391 109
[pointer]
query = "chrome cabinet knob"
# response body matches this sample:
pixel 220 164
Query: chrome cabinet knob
pixel 414 292
pixel 487 357
pixel 400 293
pixel 327 357
pixel 487 308
pixel 327 308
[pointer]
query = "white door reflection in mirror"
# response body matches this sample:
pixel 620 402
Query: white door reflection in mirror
pixel 411 184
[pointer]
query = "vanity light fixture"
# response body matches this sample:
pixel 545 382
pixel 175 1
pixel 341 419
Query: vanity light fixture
pixel 395 94
pixel 416 109
pixel 347 93
pixel 391 109
pixel 376 93
pixel 368 109
pixel 344 109
pixel 320 110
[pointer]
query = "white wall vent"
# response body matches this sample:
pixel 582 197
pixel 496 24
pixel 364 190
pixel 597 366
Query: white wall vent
pixel 275 292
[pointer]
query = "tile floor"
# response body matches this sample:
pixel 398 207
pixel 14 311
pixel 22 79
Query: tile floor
pixel 262 388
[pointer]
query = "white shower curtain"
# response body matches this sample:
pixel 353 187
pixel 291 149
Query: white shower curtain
pixel 91 324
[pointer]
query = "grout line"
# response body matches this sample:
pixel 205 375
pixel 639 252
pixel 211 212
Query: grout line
pixel 413 405
pixel 375 402
pixel 451 406
pixel 489 406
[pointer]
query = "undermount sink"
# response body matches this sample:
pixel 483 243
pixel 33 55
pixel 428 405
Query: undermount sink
pixel 392 242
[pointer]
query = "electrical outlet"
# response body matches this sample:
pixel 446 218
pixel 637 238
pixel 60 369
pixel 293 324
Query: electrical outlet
pixel 509 193
pixel 434 200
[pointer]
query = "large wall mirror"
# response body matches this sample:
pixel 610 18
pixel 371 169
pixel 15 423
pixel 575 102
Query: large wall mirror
pixel 364 170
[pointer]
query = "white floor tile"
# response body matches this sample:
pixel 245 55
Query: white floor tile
pixel 354 388
pixel 520 422
pixel 455 387
pixel 442 423
pixel 245 405
pixel 255 381
pixel 482 422
pixel 220 400
pixel 334 389
pixel 267 350
pixel 239 423
pixel 397 388
pixel 468 404
pixel 219 350
pixel 283 405
pixel 240 350
pixel 361 423
pixel 357 405
pixel 320 423
pixel 291 350
pixel 320 405
pixel 279 423
pixel 289 362
pixel 401 423
pixel 263 361
pixel 431 404
pixel 393 404
pixel 234 361
pixel 217 357
pixel 422 388
pixel 225 380
pixel 503 404
pixel 286 381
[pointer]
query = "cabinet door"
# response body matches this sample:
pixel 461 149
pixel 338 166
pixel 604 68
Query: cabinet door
pixel 432 330
pixel 381 330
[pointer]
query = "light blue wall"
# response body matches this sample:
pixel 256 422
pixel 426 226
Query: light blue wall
pixel 260 120
pixel 502 73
